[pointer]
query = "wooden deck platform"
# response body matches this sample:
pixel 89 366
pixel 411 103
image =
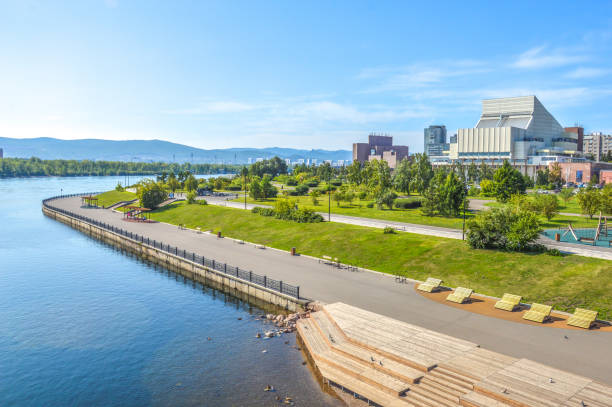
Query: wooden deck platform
pixel 393 363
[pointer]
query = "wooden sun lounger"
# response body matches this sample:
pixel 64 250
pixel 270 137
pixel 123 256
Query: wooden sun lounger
pixel 430 285
pixel 460 295
pixel 582 318
pixel 538 313
pixel 508 302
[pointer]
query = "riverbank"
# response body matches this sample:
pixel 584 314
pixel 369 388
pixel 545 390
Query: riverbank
pixel 538 277
pixel 197 267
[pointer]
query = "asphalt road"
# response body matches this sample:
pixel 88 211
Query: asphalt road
pixel 587 353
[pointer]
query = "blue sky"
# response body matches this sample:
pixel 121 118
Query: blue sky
pixel 294 74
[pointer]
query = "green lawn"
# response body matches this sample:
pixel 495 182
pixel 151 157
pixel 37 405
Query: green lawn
pixel 565 282
pixel 112 197
pixel 359 208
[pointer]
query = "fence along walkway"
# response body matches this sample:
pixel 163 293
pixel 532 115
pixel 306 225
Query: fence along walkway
pixel 263 281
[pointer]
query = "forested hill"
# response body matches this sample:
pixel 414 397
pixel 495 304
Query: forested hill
pixel 33 167
pixel 151 151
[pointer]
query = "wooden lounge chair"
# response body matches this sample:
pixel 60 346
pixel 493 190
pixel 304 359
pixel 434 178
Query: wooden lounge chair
pixel 508 302
pixel 460 295
pixel 430 285
pixel 582 318
pixel 538 313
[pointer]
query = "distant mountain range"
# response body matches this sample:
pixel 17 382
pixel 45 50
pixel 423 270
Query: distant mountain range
pixel 152 150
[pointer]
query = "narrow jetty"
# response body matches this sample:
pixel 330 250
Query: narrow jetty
pixel 393 363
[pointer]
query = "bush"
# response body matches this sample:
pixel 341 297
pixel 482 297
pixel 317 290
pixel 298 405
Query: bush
pixel 263 211
pixel 370 205
pixel 507 228
pixel 336 182
pixel 301 189
pixel 191 198
pixel 408 203
pixel 151 194
pixel 362 195
pixel 554 252
pixel 388 230
pixel 291 182
pixel 312 183
pixel 203 202
pixel 119 187
pixel 386 199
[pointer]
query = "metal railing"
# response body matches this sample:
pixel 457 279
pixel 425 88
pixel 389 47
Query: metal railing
pixel 256 279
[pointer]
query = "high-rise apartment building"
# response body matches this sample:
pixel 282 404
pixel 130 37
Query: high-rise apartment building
pixel 434 141
pixel 597 144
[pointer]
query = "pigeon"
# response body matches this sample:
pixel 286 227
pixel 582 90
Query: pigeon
pixel 372 359
pixel 380 362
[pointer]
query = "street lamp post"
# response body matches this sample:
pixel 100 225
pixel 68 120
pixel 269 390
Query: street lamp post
pixel 464 202
pixel 329 197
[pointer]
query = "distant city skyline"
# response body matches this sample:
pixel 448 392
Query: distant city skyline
pixel 300 75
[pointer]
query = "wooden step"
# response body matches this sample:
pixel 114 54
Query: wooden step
pixel 365 390
pixel 341 345
pixel 365 372
pixel 473 399
pixel 593 395
pixel 453 377
pixel 454 392
pixel 441 395
pixel 424 398
pixel 448 382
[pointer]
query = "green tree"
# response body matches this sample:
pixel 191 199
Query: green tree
pixel 589 200
pixel 387 199
pixel 547 205
pixel 191 197
pixel 255 190
pixel 268 190
pixel 453 195
pixel 354 173
pixel 566 194
pixel 314 195
pixel 508 181
pixel 402 176
pixel 191 183
pixel 119 187
pixel 606 200
pixel 472 172
pixel 422 172
pixel 554 175
pixel 151 194
pixel 485 172
pixel 487 188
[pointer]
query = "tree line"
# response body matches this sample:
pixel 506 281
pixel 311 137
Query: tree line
pixel 35 167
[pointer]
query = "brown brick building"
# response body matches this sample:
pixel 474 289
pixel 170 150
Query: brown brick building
pixel 379 148
pixel 582 172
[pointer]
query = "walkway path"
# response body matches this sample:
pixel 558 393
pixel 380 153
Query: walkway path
pixel 579 249
pixel 586 353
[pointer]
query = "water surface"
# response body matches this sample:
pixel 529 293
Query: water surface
pixel 82 324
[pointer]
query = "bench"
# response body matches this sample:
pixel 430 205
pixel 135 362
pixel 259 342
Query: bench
pixel 430 285
pixel 538 313
pixel 460 295
pixel 582 318
pixel 508 302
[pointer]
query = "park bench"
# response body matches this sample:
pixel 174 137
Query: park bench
pixel 582 318
pixel 460 295
pixel 538 313
pixel 329 260
pixel 430 285
pixel 508 302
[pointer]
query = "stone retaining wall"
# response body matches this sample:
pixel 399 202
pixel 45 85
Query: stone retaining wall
pixel 197 272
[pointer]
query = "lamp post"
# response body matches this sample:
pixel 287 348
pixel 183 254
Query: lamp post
pixel 244 174
pixel 329 196
pixel 464 202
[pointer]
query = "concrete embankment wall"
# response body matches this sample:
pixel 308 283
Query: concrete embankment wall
pixel 197 272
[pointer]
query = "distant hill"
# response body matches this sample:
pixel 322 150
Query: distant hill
pixel 151 150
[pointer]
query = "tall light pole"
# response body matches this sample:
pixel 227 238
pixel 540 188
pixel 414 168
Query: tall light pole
pixel 329 196
pixel 464 203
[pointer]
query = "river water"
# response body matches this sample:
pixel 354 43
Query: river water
pixel 82 324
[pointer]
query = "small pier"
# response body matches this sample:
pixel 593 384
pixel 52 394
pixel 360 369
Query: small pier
pixel 392 363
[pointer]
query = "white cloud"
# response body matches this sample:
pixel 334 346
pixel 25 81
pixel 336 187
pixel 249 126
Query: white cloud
pixel 582 73
pixel 537 58
pixel 219 107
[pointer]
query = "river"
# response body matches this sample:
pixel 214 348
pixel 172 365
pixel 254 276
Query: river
pixel 82 324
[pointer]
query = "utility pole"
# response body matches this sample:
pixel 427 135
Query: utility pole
pixel 244 173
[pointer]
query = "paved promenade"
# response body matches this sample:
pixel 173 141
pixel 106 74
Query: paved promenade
pixel 579 249
pixel 586 353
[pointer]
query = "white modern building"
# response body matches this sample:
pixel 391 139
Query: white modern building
pixel 519 129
